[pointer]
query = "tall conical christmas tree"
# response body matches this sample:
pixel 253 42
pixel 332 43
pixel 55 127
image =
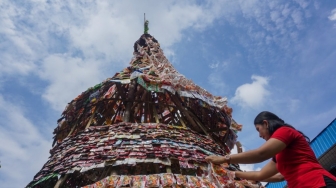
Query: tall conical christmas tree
pixel 147 126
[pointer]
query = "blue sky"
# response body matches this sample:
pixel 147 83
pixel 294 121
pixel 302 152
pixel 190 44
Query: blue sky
pixel 274 55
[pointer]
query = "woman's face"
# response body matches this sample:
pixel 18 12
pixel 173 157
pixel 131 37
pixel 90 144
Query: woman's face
pixel 263 130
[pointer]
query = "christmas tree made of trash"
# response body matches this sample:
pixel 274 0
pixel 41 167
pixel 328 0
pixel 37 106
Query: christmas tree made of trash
pixel 147 126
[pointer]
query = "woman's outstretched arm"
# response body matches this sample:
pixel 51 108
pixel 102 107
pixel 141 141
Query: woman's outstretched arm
pixel 268 150
pixel 268 171
pixel 264 152
pixel 276 178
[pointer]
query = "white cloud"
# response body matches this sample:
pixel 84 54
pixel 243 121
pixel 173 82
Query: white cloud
pixel 275 15
pixel 15 65
pixel 297 18
pixel 272 24
pixel 252 94
pixel 16 52
pixel 23 149
pixel 286 11
pixel 303 3
pixel 223 66
pixel 214 65
pixel 68 77
pixel 332 16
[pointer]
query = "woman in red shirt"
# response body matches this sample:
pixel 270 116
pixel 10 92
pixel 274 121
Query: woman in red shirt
pixel 292 158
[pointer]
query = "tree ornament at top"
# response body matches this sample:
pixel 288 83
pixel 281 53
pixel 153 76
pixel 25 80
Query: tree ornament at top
pixel 146 27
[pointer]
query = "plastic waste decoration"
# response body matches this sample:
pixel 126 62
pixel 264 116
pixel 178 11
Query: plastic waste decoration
pixel 147 126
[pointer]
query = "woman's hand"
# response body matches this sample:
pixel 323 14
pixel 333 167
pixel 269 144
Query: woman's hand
pixel 215 159
pixel 231 174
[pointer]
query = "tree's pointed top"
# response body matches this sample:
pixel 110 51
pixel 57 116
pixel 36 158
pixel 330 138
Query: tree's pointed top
pixel 146 22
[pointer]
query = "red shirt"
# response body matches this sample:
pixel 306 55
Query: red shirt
pixel 297 162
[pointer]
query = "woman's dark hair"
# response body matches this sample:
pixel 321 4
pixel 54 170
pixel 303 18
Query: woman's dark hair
pixel 274 122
